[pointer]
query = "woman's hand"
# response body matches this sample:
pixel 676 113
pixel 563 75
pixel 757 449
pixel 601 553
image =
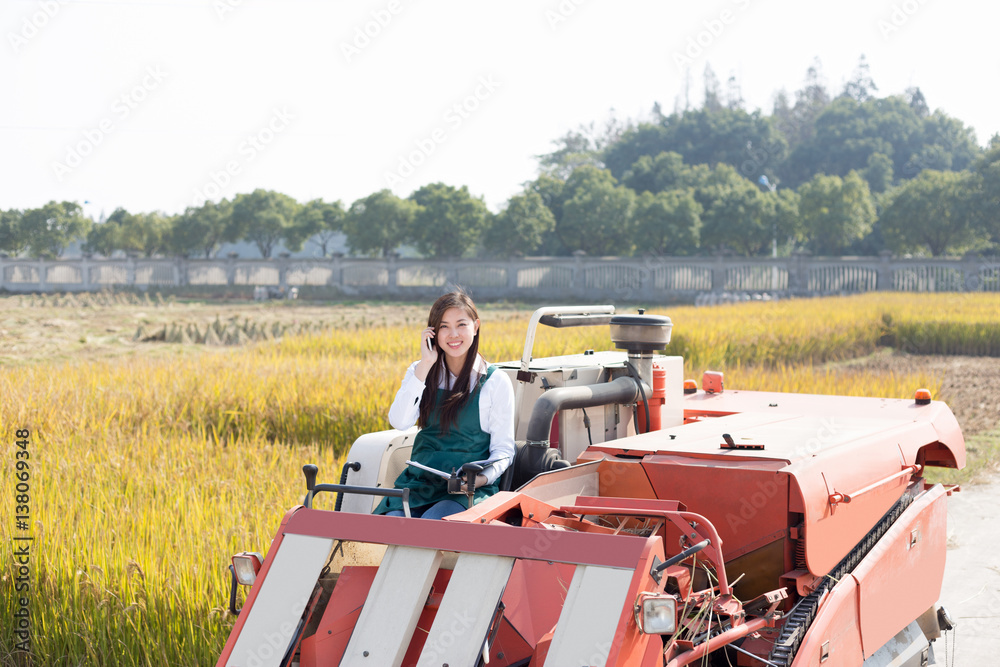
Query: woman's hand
pixel 428 353
pixel 480 481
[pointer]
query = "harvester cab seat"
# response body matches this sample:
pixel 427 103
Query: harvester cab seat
pixel 379 458
pixel 529 461
pixel 506 479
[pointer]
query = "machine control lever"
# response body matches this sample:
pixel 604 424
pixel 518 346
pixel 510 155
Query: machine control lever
pixel 310 471
pixel 673 560
pixel 467 475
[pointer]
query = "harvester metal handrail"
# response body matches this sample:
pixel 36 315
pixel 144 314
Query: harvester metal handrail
pixel 837 497
pixel 529 340
pixel 361 490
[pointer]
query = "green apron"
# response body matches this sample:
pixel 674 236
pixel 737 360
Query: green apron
pixel 465 441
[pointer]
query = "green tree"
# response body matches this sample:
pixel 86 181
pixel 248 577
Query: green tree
pixel 861 87
pixel 987 167
pixel 747 141
pixel 666 171
pixel 580 147
pixel 642 139
pixel 945 144
pixel 667 223
pixel 146 233
pixel 201 229
pixel 713 96
pixel 878 172
pixel 320 223
pixel 933 212
pixel 836 212
pixel 553 193
pixel 597 215
pixel 797 123
pixel 849 133
pixel 781 208
pixel 12 238
pixel 106 237
pixel 49 229
pixel 737 216
pixel 265 217
pixel 378 223
pixel 574 149
pixel 448 222
pixel 521 227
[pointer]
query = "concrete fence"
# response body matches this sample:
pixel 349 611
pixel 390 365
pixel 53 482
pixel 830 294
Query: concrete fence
pixel 653 279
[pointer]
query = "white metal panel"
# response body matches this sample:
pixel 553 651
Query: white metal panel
pixel 673 406
pixel 586 629
pixel 389 617
pixel 371 450
pixel 563 487
pixel 903 650
pixel 462 620
pixel 283 596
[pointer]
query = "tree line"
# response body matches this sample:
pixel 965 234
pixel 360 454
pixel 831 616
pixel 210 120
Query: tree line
pixel 828 175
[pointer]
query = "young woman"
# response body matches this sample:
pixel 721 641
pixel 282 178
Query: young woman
pixel 465 409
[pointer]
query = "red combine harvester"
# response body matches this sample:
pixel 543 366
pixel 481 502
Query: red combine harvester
pixel 645 522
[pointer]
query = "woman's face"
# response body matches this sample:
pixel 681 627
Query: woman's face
pixel 456 333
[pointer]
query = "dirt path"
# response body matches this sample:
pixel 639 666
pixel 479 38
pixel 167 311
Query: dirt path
pixel 971 589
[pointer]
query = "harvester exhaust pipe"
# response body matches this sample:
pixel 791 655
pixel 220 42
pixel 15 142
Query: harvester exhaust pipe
pixel 621 390
pixel 536 456
pixel 641 335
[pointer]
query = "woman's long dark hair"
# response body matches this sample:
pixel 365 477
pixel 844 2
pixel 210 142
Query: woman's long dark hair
pixel 456 399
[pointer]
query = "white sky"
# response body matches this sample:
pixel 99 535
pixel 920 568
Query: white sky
pixel 144 103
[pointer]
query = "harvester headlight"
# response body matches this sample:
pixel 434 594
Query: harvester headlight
pixel 656 613
pixel 247 565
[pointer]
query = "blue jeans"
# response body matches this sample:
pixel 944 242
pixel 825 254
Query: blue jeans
pixel 438 510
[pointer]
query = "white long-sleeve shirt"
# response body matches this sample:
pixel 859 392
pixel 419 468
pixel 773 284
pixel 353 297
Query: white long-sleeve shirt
pixel 496 411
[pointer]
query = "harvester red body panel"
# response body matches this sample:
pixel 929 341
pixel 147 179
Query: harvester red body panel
pixel 749 528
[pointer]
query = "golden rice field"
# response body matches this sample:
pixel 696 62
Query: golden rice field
pixel 148 470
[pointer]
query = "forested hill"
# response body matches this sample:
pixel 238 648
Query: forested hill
pixel 849 172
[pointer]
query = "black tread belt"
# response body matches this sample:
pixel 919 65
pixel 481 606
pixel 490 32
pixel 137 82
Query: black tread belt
pixel 797 621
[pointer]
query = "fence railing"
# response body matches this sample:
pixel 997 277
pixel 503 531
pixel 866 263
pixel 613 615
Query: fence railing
pixel 646 278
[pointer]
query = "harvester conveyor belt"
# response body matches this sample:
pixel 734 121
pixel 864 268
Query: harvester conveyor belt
pixel 798 620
